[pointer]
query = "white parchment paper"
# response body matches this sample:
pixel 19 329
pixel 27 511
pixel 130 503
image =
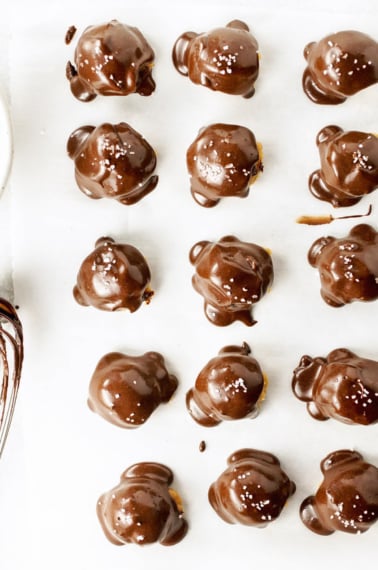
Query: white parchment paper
pixel 65 455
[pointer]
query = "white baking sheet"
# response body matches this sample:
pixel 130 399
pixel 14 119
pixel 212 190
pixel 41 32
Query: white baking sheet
pixel 60 456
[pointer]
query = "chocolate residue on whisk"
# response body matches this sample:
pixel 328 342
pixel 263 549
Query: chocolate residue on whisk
pixel 11 345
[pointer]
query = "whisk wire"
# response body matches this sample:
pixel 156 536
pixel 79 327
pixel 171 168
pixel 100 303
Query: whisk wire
pixel 10 341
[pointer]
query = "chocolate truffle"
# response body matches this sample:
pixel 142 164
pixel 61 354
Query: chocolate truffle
pixel 11 360
pixel 253 489
pixel 113 276
pixel 224 160
pixel 111 59
pixel 224 59
pixel 340 65
pixel 232 276
pixel 125 390
pixel 230 387
pixel 348 267
pixel 349 166
pixel 112 161
pixel 343 386
pixel 347 499
pixel 142 508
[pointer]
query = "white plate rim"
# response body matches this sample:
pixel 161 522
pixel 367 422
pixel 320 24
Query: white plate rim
pixel 6 144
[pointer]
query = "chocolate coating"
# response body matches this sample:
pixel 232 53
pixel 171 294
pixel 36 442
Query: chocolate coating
pixel 111 59
pixel 349 166
pixel 142 508
pixel 253 489
pixel 112 161
pixel 224 160
pixel 347 499
pixel 230 387
pixel 348 267
pixel 113 276
pixel 125 390
pixel 232 276
pixel 340 65
pixel 224 59
pixel 342 386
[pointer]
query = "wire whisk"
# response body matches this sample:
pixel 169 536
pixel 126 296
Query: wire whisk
pixel 11 358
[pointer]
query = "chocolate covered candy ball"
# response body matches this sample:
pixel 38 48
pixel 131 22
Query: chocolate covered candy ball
pixel 113 276
pixel 111 59
pixel 143 509
pixel 225 59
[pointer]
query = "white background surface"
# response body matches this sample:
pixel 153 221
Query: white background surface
pixel 60 456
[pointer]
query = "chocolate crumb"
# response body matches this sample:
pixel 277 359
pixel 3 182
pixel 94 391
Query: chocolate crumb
pixel 70 34
pixel 202 446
